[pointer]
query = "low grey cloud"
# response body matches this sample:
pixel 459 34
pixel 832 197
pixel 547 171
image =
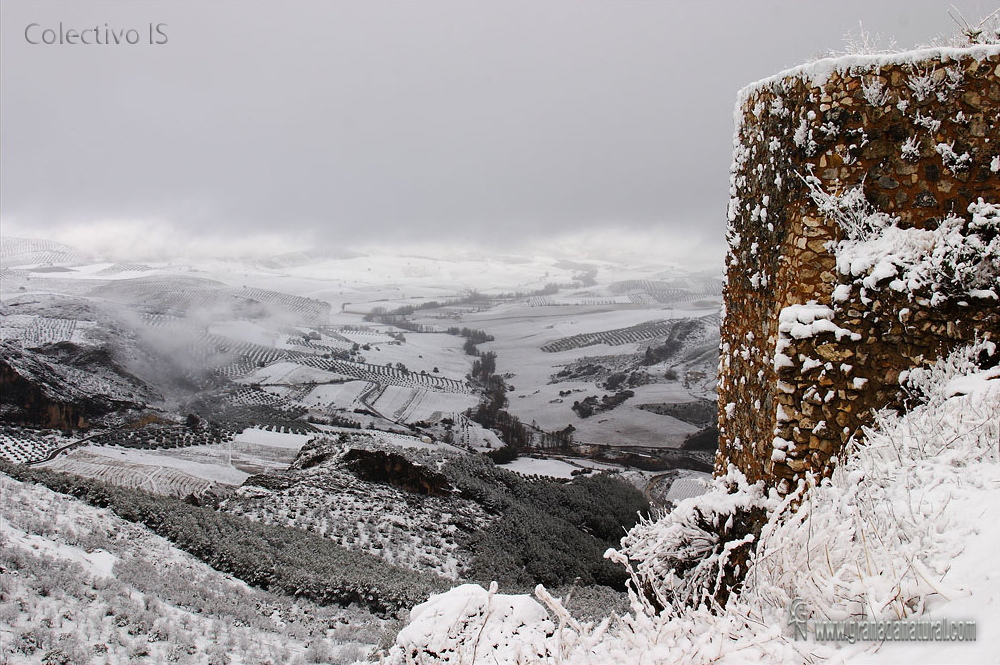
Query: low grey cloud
pixel 346 123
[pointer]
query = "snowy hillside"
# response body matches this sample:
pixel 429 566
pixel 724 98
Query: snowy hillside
pixel 80 585
pixel 907 529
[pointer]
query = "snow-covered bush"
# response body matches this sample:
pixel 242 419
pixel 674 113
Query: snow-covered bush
pixel 697 553
pixel 986 31
pixel 877 538
pixel 469 622
pixel 911 149
pixel 850 209
pixel 935 384
pixel 875 92
pixel 960 257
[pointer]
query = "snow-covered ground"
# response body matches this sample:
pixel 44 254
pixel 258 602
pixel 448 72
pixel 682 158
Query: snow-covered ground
pixel 421 352
pixel 342 395
pixel 147 468
pixel 291 374
pixel 531 466
pixel 564 467
pixel 262 437
pixel 414 404
pixel 80 585
pixel 908 528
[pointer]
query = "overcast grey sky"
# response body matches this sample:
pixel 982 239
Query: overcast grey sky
pixel 368 122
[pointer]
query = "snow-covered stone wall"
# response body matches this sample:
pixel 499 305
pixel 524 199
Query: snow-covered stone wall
pixel 863 241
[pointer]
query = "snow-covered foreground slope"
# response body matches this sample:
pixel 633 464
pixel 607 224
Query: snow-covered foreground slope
pixel 908 528
pixel 80 585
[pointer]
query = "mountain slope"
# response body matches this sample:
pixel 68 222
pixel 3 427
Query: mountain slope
pixel 78 583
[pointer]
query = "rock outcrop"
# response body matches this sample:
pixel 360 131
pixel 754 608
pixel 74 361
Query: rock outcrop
pixel 66 386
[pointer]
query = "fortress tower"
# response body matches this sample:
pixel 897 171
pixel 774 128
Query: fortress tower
pixel 860 239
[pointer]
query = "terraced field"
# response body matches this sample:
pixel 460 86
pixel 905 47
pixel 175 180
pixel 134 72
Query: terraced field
pixel 172 294
pixel 620 336
pixel 122 268
pixel 306 310
pixel 366 337
pixel 675 291
pixel 257 397
pixel 34 251
pixel 412 404
pixel 11 279
pixel 38 330
pixel 383 374
pixel 615 337
pixel 128 473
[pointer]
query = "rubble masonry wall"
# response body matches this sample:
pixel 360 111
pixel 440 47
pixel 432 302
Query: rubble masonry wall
pixel 920 133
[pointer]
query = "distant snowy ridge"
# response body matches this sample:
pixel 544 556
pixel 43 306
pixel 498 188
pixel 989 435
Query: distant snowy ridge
pixel 33 251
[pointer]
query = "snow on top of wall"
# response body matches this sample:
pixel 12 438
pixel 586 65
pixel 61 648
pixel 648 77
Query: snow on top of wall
pixel 818 72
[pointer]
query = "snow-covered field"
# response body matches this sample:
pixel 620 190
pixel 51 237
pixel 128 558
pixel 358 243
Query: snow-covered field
pixel 531 466
pixel 689 484
pixel 291 374
pixel 342 395
pixel 628 425
pixel 424 352
pixel 415 404
pixel 184 459
pixel 159 474
pixel 521 331
pixel 186 470
pixel 251 321
pixel 245 331
pixel 271 439
pixel 562 467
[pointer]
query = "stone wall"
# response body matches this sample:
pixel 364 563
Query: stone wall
pixel 809 350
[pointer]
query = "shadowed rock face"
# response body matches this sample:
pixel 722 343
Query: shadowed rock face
pixel 65 386
pixel 393 469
